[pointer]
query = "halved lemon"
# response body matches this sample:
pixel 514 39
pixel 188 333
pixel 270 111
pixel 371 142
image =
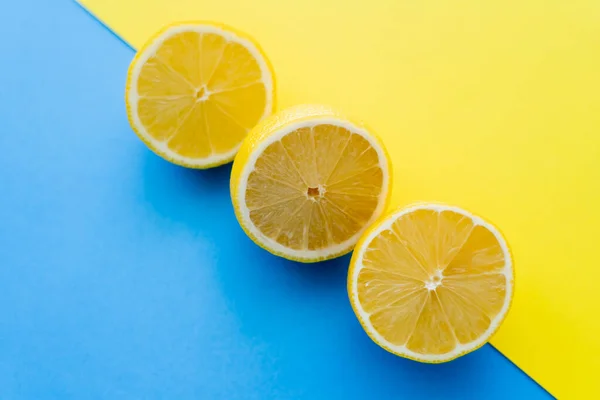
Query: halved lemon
pixel 307 182
pixel 431 282
pixel 194 90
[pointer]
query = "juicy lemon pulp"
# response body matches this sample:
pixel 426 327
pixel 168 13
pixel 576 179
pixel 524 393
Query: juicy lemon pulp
pixel 311 188
pixel 316 187
pixel 195 91
pixel 432 283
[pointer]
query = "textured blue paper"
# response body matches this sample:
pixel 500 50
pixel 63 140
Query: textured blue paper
pixel 125 277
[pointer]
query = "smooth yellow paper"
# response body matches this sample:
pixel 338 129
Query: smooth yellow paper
pixel 490 105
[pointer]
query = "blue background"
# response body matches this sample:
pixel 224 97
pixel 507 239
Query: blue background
pixel 125 277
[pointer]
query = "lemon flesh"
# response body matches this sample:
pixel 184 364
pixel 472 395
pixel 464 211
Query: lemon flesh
pixel 307 182
pixel 195 90
pixel 431 282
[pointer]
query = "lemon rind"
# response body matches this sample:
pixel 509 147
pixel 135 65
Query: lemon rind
pixel 307 256
pixel 461 349
pixel 150 48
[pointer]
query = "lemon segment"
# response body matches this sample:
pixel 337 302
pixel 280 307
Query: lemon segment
pixel 431 282
pixel 194 91
pixel 307 182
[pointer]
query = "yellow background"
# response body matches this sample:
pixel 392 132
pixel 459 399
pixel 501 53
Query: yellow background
pixel 490 105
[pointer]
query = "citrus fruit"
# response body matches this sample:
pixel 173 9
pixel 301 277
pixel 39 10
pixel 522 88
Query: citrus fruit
pixel 431 282
pixel 194 90
pixel 308 181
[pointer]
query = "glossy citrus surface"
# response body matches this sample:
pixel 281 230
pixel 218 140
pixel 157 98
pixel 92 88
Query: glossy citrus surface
pixel 307 182
pixel 195 90
pixel 431 282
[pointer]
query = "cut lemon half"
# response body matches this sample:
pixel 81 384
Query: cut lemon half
pixel 194 91
pixel 431 282
pixel 307 182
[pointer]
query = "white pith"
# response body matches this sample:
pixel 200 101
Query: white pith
pixel 277 136
pixel 133 96
pixel 460 348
